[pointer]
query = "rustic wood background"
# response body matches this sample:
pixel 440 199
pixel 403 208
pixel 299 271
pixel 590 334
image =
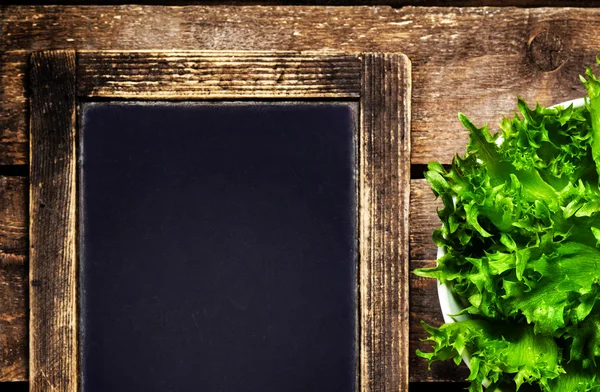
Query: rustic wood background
pixel 474 59
pixel 392 3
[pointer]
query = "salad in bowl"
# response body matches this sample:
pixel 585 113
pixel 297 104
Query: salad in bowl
pixel 519 250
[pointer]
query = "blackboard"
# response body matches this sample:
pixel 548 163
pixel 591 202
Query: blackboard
pixel 217 246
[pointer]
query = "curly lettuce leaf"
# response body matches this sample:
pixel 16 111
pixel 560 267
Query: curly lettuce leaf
pixel 576 379
pixel 592 85
pixel 498 351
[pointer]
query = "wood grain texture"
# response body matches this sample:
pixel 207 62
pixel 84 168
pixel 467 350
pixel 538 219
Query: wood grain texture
pixel 393 3
pixel 13 278
pixel 14 110
pixel 423 220
pixel 217 75
pixel 52 229
pixel 474 60
pixel 384 156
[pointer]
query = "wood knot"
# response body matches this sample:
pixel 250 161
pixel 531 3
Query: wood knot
pixel 546 51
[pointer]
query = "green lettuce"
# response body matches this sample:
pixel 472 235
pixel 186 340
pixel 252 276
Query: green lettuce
pixel 521 234
pixel 497 349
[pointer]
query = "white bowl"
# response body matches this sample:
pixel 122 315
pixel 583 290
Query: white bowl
pixel 449 303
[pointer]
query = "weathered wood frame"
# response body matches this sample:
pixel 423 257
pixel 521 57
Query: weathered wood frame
pixel 381 83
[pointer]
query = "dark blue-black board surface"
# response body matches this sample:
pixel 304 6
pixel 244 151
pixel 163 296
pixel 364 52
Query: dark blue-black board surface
pixel 218 247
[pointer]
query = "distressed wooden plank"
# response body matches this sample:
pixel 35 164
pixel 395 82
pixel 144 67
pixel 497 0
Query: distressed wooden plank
pixel 52 248
pixel 423 220
pixel 13 317
pixel 384 181
pixel 14 141
pixel 474 60
pixel 13 215
pixel 180 75
pixel 13 278
pixel 393 3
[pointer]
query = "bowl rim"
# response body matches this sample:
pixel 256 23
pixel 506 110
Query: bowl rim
pixel 449 303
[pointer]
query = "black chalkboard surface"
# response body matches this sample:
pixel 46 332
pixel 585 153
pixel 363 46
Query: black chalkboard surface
pixel 217 247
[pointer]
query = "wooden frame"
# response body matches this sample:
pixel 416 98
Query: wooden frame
pixel 381 83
